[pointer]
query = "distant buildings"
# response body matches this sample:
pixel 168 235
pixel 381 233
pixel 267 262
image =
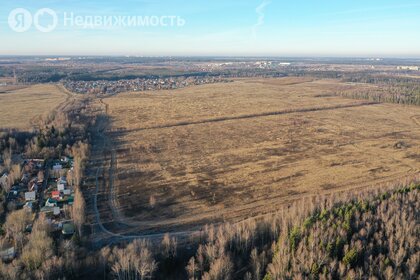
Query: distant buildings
pixel 411 68
pixel 58 59
pixel 113 87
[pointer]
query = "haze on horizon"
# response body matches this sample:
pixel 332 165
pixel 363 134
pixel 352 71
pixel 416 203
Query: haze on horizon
pixel 225 28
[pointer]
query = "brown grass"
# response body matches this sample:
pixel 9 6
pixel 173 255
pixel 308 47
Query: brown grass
pixel 8 80
pixel 21 106
pixel 204 171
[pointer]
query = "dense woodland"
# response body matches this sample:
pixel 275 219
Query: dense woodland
pixel 362 235
pixel 390 89
pixel 361 239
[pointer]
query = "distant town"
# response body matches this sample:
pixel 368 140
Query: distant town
pixel 113 87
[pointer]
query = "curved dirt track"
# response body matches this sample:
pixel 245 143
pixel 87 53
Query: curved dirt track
pixel 102 235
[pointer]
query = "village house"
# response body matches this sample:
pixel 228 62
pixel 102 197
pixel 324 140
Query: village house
pixel 30 196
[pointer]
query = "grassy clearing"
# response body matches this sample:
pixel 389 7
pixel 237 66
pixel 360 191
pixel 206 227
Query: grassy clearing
pixel 20 107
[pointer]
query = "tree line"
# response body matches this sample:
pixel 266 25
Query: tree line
pixel 41 253
pixel 369 234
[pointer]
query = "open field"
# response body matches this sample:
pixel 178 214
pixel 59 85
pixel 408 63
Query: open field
pixel 19 107
pixel 224 152
pixel 6 80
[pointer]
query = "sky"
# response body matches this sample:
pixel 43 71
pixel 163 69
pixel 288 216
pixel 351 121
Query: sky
pixel 326 28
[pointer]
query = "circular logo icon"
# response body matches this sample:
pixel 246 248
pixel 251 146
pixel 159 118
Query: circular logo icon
pixel 20 20
pixel 50 15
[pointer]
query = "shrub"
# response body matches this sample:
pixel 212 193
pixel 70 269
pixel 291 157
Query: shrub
pixel 294 238
pixel 351 257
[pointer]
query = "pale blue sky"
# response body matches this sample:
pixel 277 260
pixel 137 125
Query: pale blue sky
pixel 216 27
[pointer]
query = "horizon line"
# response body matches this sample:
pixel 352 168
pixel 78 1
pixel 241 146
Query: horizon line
pixel 219 56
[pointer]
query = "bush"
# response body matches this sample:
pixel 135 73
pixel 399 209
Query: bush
pixel 294 238
pixel 351 257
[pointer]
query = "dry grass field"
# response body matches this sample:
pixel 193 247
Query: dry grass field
pixel 224 152
pixel 8 80
pixel 19 107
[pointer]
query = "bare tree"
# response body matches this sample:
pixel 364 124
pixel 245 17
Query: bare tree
pixel 169 246
pixel 152 201
pixel 192 269
pixel 80 152
pixel 221 268
pixel 15 225
pixel 78 211
pixel 39 247
pixel 40 176
pixel 7 158
pixel 134 262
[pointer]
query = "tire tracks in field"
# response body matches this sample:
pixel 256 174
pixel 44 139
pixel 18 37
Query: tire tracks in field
pixel 112 193
pixel 112 237
pixel 109 237
pixel 251 116
pixel 416 119
pixel 118 219
pixel 35 122
pixel 113 197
